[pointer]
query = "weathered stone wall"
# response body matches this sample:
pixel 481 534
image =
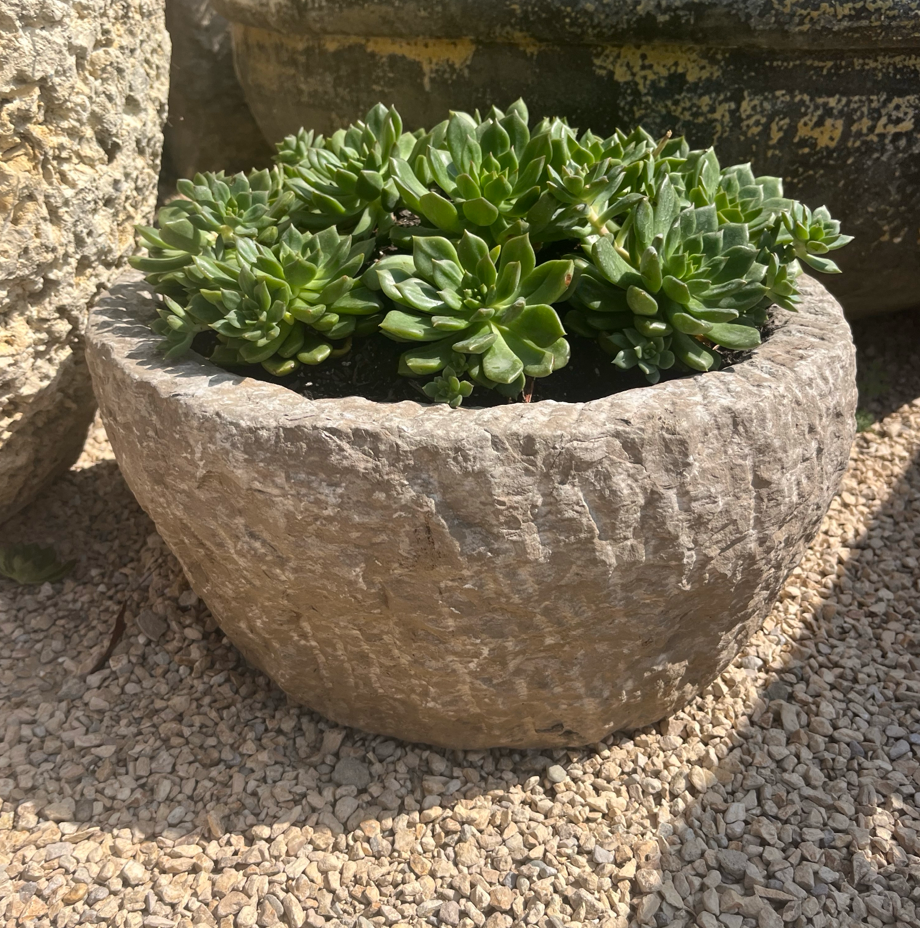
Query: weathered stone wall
pixel 83 85
pixel 210 127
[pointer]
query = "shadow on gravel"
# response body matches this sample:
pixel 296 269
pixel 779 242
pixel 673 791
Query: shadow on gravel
pixel 824 818
pixel 887 369
pixel 825 797
pixel 814 802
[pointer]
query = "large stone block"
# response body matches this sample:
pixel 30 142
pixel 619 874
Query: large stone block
pixel 84 85
pixel 520 575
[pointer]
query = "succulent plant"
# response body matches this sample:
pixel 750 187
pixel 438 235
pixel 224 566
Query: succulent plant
pixel 602 179
pixel 33 564
pixel 345 180
pixel 488 171
pixel 738 195
pixel 194 246
pixel 447 387
pixel 279 306
pixel 495 176
pixel 214 206
pixel 662 256
pixel 492 306
pixel 810 235
pixel 630 348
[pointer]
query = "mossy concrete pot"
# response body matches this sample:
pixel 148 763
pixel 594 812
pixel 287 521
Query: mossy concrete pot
pixel 523 575
pixel 824 95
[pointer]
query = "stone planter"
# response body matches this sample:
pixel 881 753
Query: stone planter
pixel 84 89
pixel 519 575
pixel 821 94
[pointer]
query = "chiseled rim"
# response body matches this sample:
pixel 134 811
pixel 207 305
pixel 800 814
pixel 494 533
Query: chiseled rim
pixel 804 346
pixel 804 24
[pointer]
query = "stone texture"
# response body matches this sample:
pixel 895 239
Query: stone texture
pixel 520 575
pixel 84 87
pixel 210 127
pixel 813 92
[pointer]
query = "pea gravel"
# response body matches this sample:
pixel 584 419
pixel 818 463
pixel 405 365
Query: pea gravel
pixel 177 786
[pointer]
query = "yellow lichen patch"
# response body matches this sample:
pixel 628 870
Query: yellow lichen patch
pixel 865 12
pixel 433 55
pixel 898 116
pixel 753 122
pixel 720 115
pixel 648 65
pixel 778 128
pixel 824 130
pixel 881 117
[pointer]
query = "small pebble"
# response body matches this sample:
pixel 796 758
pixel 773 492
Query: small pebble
pixel 556 774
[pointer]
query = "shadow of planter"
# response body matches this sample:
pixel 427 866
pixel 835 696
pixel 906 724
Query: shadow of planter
pixel 884 806
pixel 821 95
pixel 433 574
pixel 884 809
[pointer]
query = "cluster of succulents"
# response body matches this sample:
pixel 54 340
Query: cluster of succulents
pixel 521 241
pixel 487 313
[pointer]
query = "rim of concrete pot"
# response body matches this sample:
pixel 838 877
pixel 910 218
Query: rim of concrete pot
pixel 523 575
pixel 811 24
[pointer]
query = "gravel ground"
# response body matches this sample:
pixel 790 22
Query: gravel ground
pixel 179 786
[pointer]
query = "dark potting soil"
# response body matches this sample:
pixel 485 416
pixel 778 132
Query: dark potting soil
pixel 370 370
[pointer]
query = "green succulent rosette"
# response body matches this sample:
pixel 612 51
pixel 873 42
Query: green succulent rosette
pixel 279 306
pixel 488 310
pixel 447 387
pixel 488 174
pixel 674 275
pixel 344 180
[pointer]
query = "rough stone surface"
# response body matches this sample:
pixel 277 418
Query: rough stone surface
pixel 521 575
pixel 84 96
pixel 210 127
pixel 812 92
pixel 752 23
